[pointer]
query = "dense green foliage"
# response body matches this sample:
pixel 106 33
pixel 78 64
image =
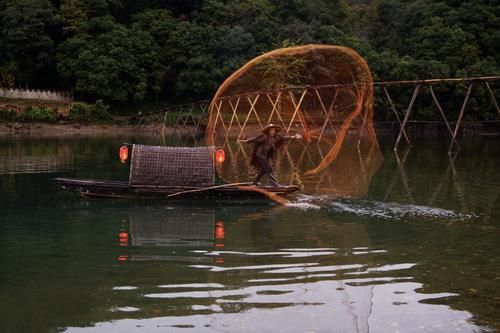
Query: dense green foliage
pixel 125 51
pixel 90 112
pixel 7 115
pixel 39 114
pixel 97 112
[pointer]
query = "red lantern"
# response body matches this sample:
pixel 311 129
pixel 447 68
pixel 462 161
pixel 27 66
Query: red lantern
pixel 220 156
pixel 123 153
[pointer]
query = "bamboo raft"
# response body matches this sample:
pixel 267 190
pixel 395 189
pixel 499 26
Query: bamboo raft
pixel 170 172
pixel 122 189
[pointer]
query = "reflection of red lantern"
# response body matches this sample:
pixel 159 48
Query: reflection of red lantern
pixel 219 230
pixel 123 153
pixel 219 235
pixel 219 260
pixel 220 156
pixel 123 238
pixel 123 258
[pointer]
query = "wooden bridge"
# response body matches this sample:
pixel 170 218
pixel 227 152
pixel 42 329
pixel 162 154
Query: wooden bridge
pixel 195 115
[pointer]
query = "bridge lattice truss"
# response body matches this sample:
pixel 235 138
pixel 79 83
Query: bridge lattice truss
pixel 195 115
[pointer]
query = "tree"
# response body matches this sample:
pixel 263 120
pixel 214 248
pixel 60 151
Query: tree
pixel 25 39
pixel 118 64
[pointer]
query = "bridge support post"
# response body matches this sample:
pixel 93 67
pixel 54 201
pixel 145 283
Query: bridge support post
pixel 438 105
pixel 407 115
pixel 460 117
pixel 493 99
pixel 393 107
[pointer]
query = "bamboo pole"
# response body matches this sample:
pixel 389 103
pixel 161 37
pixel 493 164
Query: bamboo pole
pixel 440 80
pixel 492 97
pixel 438 105
pixel 190 108
pixel 330 110
pixel 207 189
pixel 382 83
pixel 244 186
pixel 248 116
pixel 275 109
pixel 164 121
pixel 234 108
pixel 393 107
pixel 323 108
pixel 407 115
pixel 460 116
pixel 297 111
pixel 404 177
pixel 252 108
pixel 394 178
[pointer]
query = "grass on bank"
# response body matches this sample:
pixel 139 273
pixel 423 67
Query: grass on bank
pixel 22 111
pixel 26 111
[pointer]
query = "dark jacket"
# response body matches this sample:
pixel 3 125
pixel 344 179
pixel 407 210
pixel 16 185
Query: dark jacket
pixel 266 146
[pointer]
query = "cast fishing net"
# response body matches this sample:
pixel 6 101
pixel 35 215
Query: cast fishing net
pixel 324 92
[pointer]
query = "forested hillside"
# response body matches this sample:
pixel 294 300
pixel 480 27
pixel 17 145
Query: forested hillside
pixel 135 51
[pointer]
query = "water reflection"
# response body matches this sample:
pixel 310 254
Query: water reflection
pixel 171 227
pixel 256 276
pixel 22 157
pixel 419 249
pixel 349 175
pixel 461 183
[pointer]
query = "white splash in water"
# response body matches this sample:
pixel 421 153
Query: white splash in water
pixel 303 205
pixel 306 202
pixel 386 210
pixel 391 210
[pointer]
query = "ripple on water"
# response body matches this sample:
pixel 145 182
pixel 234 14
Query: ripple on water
pixel 192 285
pixel 124 288
pixel 380 305
pixel 281 253
pixel 124 309
pixel 394 211
pixel 379 297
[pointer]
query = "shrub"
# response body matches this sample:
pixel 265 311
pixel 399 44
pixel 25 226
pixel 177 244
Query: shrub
pixel 101 111
pixel 89 112
pixel 39 114
pixel 80 112
pixel 7 115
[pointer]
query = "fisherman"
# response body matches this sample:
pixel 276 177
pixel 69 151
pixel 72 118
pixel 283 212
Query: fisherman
pixel 264 151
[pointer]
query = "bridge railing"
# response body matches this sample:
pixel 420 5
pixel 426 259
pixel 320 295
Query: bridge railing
pixel 36 94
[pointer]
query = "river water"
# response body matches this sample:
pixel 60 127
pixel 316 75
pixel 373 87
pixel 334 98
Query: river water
pixel 418 253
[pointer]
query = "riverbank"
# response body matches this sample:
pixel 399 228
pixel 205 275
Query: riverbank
pixel 70 129
pixel 83 129
pixel 429 128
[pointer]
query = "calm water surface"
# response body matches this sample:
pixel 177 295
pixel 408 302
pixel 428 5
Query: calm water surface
pixel 419 253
